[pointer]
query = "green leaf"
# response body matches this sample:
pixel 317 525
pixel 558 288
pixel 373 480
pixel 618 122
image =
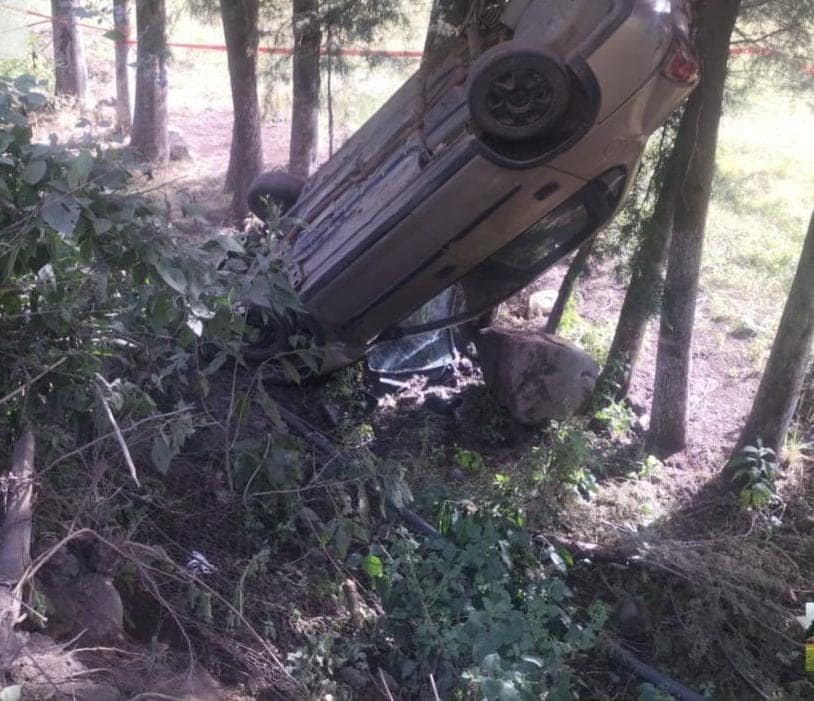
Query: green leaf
pixel 174 277
pixel 373 566
pixel 81 167
pixel 114 35
pixel 558 560
pixel 102 226
pixel 269 406
pixel 34 172
pixel 342 539
pixel 161 454
pixel 230 244
pixel 289 370
pixel 61 213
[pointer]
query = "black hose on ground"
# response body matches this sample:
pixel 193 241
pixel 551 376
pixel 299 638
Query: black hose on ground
pixel 650 674
pixel 626 658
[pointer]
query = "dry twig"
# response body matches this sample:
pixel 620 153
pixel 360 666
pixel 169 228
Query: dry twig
pixel 116 430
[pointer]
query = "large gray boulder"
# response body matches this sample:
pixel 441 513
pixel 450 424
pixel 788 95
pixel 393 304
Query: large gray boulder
pixel 535 375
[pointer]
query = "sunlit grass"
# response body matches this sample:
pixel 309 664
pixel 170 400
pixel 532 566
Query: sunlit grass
pixel 762 200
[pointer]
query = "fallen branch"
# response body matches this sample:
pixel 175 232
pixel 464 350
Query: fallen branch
pixel 24 387
pixel 116 430
pixel 15 544
pixel 336 458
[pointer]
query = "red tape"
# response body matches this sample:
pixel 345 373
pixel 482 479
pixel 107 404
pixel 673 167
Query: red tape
pixel 370 53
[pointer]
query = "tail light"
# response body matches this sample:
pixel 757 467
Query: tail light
pixel 681 64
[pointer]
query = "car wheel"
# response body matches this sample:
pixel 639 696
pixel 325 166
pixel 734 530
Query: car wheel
pixel 274 187
pixel 265 337
pixel 268 338
pixel 517 92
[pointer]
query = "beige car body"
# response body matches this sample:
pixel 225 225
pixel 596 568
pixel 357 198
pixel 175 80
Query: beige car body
pixel 419 199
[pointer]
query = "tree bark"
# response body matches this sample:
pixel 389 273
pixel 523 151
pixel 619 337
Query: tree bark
pixel 567 285
pixel 446 19
pixel 782 381
pixel 15 544
pixel 644 292
pixel 121 24
pixel 70 69
pixel 305 85
pixel 240 29
pixel 668 427
pixel 150 136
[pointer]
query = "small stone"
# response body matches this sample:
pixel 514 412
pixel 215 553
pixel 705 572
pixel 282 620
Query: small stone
pixel 541 304
pixel 179 149
pixel 744 332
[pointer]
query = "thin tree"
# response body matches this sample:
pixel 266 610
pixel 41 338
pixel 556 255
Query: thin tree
pixel 70 70
pixel 240 29
pixel 643 296
pixel 305 85
pixel 121 27
pixel 150 136
pixel 782 382
pixel 569 280
pixel 668 427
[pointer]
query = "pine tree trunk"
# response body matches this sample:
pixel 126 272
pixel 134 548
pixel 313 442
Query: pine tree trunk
pixel 644 292
pixel 668 424
pixel 305 85
pixel 446 18
pixel 567 285
pixel 121 24
pixel 70 70
pixel 150 136
pixel 240 29
pixel 782 381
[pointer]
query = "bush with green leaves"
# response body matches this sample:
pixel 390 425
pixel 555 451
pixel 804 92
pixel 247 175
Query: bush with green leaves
pixel 757 470
pixel 98 302
pixel 483 608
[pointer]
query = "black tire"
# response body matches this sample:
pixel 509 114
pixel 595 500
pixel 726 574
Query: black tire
pixel 266 336
pixel 270 339
pixel 274 187
pixel 517 92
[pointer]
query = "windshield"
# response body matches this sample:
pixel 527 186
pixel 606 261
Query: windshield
pixel 420 352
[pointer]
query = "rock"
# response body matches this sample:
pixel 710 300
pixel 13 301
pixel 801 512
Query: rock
pixel 179 149
pixel 195 685
pixel 536 376
pixel 88 604
pixel 541 303
pixel 47 670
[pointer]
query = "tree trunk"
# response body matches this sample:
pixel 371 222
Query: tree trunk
pixel 121 24
pixel 567 285
pixel 150 136
pixel 15 544
pixel 446 18
pixel 240 29
pixel 305 85
pixel 644 292
pixel 668 427
pixel 70 70
pixel 782 381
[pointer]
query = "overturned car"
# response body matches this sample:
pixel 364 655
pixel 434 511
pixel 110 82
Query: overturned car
pixel 509 148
